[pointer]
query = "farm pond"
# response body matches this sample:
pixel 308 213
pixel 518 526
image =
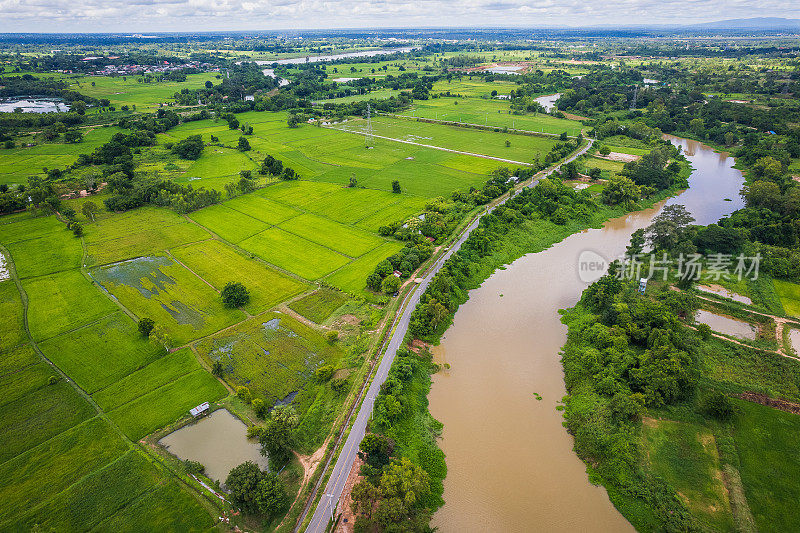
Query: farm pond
pixel 218 441
pixel 726 325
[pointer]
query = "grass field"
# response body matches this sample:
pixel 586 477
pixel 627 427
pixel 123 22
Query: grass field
pixel 128 91
pixel 219 264
pixel 789 294
pixel 685 455
pixel 523 148
pixel 157 408
pixel 496 113
pixel 273 355
pixel 62 302
pixel 18 163
pixel 609 168
pixel 101 353
pixel 770 465
pixel 159 288
pixel 319 305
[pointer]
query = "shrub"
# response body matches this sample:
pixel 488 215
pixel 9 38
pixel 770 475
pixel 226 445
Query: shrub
pixel 705 331
pixel 718 406
pixel 324 373
pixel 244 394
pixel 194 467
pixel 254 431
pixel 146 326
pixel 332 336
pixel 259 407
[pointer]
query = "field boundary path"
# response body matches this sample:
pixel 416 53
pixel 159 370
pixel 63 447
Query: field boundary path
pixel 333 490
pixel 434 147
pixel 471 125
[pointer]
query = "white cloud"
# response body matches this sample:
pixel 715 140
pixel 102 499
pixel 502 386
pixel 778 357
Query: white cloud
pixel 199 15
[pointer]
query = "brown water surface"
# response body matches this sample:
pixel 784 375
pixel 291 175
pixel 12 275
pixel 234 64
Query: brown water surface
pixel 218 441
pixel 510 461
pixel 726 325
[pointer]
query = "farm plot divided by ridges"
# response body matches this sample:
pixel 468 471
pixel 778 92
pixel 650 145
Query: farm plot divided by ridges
pixel 273 355
pixel 62 302
pixel 319 305
pixel 494 113
pixel 102 352
pixel 231 225
pixel 140 232
pixel 219 264
pixel 176 299
pixel 353 277
pixel 163 405
pixel 293 253
pixel 522 148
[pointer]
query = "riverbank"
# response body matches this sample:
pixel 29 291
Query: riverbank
pixel 415 430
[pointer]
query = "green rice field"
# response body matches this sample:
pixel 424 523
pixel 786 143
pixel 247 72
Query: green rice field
pixel 523 148
pixel 489 112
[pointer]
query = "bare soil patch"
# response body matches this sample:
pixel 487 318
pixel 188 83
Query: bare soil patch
pixel 617 156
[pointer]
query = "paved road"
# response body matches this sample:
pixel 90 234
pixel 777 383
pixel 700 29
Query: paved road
pixel 333 490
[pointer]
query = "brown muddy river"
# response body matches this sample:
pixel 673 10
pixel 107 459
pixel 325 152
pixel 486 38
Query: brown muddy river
pixel 510 461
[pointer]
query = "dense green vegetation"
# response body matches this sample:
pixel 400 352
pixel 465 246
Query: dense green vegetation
pixel 162 234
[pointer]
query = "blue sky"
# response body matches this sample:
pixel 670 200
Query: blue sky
pixel 201 15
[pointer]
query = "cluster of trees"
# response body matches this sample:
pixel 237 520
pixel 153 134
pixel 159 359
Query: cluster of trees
pixel 256 492
pixel 405 261
pixel 240 79
pixel 131 192
pixel 603 90
pixel 245 185
pixel 658 170
pixel 189 148
pixel 275 167
pixel 627 352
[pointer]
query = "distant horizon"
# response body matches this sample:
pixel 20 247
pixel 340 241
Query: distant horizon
pixel 207 16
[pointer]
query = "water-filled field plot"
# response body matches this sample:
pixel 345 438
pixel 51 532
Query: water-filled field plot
pixel 176 299
pixel 273 355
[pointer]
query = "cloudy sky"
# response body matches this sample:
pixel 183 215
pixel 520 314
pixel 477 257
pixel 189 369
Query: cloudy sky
pixel 199 15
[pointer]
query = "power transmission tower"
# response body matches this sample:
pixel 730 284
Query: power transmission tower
pixel 368 133
pixel 635 96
